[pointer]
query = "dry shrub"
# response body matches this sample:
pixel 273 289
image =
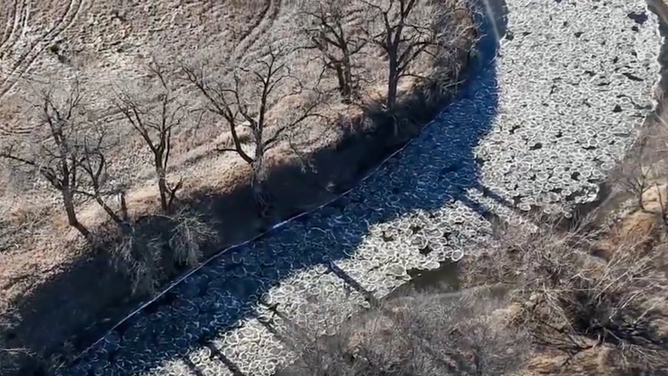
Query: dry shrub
pixel 138 256
pixel 189 234
pixel 572 301
pixel 464 333
pixel 149 246
pixel 642 168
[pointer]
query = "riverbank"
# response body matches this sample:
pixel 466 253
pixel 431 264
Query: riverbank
pixel 506 145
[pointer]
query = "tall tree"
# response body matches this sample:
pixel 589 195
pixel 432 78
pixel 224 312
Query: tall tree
pixel 155 125
pixel 55 150
pixel 405 31
pixel 95 182
pixel 245 100
pixel 328 32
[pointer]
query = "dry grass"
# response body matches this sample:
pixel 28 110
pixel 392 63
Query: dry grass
pixel 141 252
pixel 463 333
pixel 595 298
pixel 589 311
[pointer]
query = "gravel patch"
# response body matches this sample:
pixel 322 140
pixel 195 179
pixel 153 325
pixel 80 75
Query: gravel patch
pixel 538 127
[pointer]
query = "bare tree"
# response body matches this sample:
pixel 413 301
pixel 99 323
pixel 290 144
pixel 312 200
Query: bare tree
pixel 405 31
pixel 68 151
pixel 155 126
pixel 633 173
pixel 328 33
pixel 95 182
pixel 190 232
pixel 246 101
pixel 55 152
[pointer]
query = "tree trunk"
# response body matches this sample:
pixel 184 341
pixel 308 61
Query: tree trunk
pixel 392 84
pixel 162 180
pixel 124 207
pixel 348 91
pixel 162 187
pixel 342 77
pixel 121 224
pixel 68 201
pixel 258 191
pixel 347 77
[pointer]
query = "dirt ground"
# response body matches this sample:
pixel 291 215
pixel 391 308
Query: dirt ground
pixel 45 269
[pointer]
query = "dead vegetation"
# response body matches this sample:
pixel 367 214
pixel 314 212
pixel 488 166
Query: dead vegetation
pixel 156 126
pixel 576 302
pixel 265 101
pixel 582 302
pixel 462 333
pixel 399 29
pixel 325 28
pixel 149 248
pixel 276 102
pixel 57 148
pixel 585 295
pixel 246 102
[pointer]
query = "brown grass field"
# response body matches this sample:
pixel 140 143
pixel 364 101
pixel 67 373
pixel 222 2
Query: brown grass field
pixel 46 267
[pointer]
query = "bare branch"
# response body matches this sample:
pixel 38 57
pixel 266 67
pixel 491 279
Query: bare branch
pixel 246 99
pixel 56 153
pixel 405 35
pixel 329 33
pixel 155 125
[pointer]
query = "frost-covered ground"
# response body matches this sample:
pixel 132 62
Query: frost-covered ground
pixel 538 126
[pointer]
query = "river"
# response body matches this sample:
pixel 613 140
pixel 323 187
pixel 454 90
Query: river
pixel 547 114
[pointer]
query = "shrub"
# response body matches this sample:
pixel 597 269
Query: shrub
pixel 572 301
pixel 463 333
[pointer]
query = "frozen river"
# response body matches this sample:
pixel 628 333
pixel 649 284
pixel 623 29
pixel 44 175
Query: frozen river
pixel 547 114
